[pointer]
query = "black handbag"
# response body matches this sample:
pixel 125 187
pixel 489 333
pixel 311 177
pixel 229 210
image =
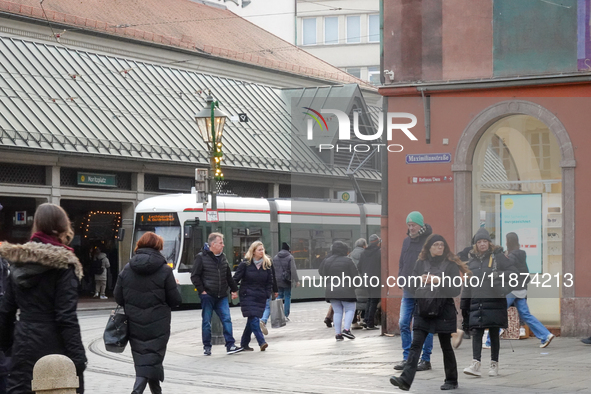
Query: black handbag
pixel 116 333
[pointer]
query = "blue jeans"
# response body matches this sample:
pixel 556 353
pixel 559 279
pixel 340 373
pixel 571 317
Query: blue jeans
pixel 267 311
pixel 222 309
pixel 342 308
pixel 252 327
pixel 407 308
pixel 285 295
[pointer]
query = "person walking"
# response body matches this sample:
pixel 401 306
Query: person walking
pixel 100 264
pixel 355 254
pixel 341 297
pixel 360 292
pixel 147 290
pixel 256 284
pixel 212 278
pixel 370 265
pixel 417 233
pixel 43 285
pixel 286 274
pixel 436 261
pixel 485 302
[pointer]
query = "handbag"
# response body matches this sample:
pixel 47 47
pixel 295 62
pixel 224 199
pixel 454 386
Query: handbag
pixel 116 333
pixel 277 313
pixel 500 285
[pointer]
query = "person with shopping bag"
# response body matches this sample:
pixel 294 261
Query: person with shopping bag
pixel 255 278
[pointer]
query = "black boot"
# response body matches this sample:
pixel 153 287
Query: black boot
pixel 140 385
pixel 155 386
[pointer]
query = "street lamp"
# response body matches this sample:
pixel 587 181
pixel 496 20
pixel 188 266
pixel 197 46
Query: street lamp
pixel 210 122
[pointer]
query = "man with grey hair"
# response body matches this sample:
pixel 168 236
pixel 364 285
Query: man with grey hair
pixel 355 254
pixel 212 278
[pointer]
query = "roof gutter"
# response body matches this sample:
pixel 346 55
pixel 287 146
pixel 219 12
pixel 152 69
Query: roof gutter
pixel 505 83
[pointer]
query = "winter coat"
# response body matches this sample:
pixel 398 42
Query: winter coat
pixel 146 288
pixel 485 307
pixel 518 258
pixel 43 285
pixel 284 262
pixel 105 264
pixel 255 288
pixel 411 248
pixel 356 254
pixel 212 274
pixel 370 264
pixel 446 322
pixel 338 265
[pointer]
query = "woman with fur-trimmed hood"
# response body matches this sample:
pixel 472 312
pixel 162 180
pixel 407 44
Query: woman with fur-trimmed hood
pixel 43 285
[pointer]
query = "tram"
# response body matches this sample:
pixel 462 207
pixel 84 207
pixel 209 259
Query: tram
pixel 308 226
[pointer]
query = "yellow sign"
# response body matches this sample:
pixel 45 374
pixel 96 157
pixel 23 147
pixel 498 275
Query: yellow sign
pixel 346 196
pixel 509 203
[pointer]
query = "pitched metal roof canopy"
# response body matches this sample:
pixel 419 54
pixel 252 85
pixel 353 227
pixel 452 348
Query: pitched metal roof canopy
pixel 65 100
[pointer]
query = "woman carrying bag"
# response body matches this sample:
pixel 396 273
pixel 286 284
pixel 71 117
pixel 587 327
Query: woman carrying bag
pixel 146 288
pixel 435 310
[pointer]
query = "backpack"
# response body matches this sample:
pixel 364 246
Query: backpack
pixel 430 303
pixel 97 267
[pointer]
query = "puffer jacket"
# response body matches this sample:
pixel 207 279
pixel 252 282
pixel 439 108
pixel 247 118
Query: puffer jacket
pixel 411 248
pixel 255 288
pixel 338 265
pixel 146 288
pixel 43 285
pixel 518 259
pixel 212 274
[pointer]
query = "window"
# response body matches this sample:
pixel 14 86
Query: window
pixel 373 75
pixel 331 30
pixel 373 28
pixel 356 72
pixel 309 31
pixel 353 29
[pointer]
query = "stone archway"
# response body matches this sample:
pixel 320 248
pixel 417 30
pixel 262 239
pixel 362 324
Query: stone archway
pixel 462 169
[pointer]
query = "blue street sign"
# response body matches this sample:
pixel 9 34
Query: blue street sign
pixel 428 158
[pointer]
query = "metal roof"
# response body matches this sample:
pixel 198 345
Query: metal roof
pixel 59 99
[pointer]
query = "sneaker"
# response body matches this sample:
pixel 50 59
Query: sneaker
pixel 423 365
pixel 494 368
pixel 339 337
pixel 501 332
pixel 287 318
pixel 586 341
pixel 547 341
pixel 356 326
pixel 247 349
pixel 371 328
pixel 328 322
pixel 485 346
pixel 264 346
pixel 473 369
pixel 263 327
pixel 398 382
pixel 456 339
pixel 348 334
pixel 207 351
pixel 104 298
pixel 95 295
pixel 400 366
pixel 522 333
pixel 449 386
pixel 234 349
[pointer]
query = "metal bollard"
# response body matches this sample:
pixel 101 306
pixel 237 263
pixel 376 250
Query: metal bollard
pixel 54 374
pixel 217 335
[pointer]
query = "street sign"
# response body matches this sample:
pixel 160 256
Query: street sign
pixel 90 179
pixel 212 216
pixel 430 179
pixel 347 196
pixel 243 117
pixel 428 158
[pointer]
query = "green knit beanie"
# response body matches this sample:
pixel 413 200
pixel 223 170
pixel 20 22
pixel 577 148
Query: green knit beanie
pixel 415 217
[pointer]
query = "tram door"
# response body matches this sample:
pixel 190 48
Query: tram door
pixel 242 238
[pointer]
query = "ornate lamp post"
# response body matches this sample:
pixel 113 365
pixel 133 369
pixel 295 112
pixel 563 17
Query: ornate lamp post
pixel 210 122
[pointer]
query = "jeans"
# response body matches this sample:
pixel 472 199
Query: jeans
pixel 252 327
pixel 342 308
pixel 267 311
pixel 449 358
pixel 407 308
pixel 370 311
pixel 285 295
pixel 222 309
pixel 495 343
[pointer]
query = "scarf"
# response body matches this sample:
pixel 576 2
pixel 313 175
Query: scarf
pixel 48 239
pixel 258 263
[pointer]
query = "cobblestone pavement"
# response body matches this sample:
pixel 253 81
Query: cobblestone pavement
pixel 303 357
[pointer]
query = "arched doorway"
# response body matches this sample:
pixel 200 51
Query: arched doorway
pixel 518 150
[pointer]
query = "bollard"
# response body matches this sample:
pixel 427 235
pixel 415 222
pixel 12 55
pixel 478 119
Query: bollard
pixel 54 374
pixel 217 335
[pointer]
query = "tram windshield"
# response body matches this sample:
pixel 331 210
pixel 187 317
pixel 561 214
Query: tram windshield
pixel 165 225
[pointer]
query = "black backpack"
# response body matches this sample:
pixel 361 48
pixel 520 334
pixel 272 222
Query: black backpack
pixel 97 267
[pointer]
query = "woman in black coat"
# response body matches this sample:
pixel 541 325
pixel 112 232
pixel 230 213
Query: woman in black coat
pixel 485 302
pixel 435 262
pixel 256 283
pixel 43 285
pixel 340 293
pixel 146 287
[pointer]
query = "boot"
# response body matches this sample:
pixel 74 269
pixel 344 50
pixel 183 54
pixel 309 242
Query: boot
pixel 140 385
pixel 494 368
pixel 155 386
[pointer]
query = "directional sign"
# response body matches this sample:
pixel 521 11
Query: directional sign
pixel 430 179
pixel 428 158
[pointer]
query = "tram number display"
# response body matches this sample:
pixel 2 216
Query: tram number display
pixel 157 219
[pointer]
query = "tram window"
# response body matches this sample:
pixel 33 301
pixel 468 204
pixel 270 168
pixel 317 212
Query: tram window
pixel 192 246
pixel 300 249
pixel 172 242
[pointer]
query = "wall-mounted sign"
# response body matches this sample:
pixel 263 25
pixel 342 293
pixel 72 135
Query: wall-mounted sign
pixel 347 196
pixel 428 158
pixel 90 179
pixel 212 216
pixel 20 218
pixel 431 179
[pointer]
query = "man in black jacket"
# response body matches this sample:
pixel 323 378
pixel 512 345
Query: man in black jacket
pixel 212 278
pixel 370 264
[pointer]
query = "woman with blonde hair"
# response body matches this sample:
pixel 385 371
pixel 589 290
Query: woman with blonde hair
pixel 256 283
